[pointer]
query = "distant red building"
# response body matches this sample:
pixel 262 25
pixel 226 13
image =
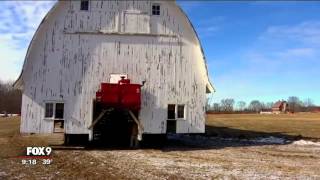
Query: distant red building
pixel 280 107
pixel 315 109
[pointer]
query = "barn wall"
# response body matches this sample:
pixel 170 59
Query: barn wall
pixel 74 51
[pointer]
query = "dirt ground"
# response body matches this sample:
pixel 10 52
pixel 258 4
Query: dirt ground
pixel 227 152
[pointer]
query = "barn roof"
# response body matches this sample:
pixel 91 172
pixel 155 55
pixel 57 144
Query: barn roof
pixel 278 104
pixel 19 82
pixel 210 87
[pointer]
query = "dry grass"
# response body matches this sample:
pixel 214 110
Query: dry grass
pixel 68 164
pixel 230 161
pixel 306 125
pixel 11 125
pixel 13 144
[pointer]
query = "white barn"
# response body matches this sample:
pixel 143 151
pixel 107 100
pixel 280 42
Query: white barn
pixel 80 44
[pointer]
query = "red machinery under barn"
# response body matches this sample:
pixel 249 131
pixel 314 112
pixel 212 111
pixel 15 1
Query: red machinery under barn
pixel 123 95
pixel 116 113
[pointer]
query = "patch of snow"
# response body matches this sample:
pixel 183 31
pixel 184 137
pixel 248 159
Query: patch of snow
pixel 8 115
pixel 306 143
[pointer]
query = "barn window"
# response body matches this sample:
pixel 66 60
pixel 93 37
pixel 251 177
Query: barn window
pixel 176 111
pixel 156 9
pixel 84 5
pixel 54 110
pixel 171 111
pixel 180 112
pixel 59 111
pixel 49 110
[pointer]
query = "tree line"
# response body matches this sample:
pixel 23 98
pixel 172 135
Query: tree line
pixel 10 102
pixel 229 105
pixel 10 98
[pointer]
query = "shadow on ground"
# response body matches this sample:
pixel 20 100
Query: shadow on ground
pixel 224 137
pixel 214 138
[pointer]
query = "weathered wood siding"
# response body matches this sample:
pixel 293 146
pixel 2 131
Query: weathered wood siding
pixel 74 51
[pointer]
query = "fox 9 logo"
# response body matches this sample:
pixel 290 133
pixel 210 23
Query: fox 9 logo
pixel 39 151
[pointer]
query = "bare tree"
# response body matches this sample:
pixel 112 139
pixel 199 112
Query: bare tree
pixel 241 105
pixel 308 102
pixel 268 105
pixel 209 103
pixel 308 105
pixel 208 107
pixel 255 106
pixel 227 104
pixel 294 104
pixel 10 98
pixel 216 107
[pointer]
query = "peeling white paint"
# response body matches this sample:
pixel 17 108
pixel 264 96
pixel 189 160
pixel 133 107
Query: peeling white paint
pixel 74 51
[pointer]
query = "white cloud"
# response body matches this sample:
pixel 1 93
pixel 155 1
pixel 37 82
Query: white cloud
pixel 305 32
pixel 207 31
pixel 189 5
pixel 288 43
pixel 10 60
pixel 282 61
pixel 19 21
pixel 295 53
pixel 210 26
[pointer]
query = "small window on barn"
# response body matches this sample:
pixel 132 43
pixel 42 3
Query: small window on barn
pixel 84 5
pixel 180 112
pixel 156 9
pixel 59 111
pixel 49 110
pixel 171 111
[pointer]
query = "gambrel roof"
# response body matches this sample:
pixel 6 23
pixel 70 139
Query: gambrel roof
pixel 19 81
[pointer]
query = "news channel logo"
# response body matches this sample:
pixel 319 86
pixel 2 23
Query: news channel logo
pixel 39 151
pixel 37 155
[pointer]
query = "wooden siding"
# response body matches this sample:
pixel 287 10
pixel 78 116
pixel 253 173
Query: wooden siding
pixel 74 51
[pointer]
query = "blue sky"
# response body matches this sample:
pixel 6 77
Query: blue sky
pixel 254 50
pixel 260 50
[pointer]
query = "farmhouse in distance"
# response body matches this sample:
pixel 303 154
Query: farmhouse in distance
pixel 280 107
pixel 83 49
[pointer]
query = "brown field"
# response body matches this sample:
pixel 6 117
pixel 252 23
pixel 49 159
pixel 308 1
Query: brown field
pixel 225 152
pixel 306 125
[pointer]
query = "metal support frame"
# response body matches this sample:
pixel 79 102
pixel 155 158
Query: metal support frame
pixel 140 127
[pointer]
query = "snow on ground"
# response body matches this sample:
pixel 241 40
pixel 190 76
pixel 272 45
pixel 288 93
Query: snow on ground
pixel 261 158
pixel 306 143
pixel 8 115
pixel 271 140
pixel 183 157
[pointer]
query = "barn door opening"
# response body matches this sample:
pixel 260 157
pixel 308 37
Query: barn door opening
pixel 59 118
pixel 58 126
pixel 171 121
pixel 111 126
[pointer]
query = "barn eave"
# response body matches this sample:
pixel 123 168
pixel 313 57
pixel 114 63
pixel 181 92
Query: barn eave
pixel 19 82
pixel 209 87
